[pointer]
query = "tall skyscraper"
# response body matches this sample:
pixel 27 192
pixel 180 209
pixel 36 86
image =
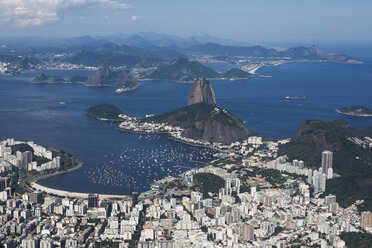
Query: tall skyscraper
pixel 93 200
pixel 327 158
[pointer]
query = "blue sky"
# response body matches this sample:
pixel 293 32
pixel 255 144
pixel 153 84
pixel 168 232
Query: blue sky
pixel 248 20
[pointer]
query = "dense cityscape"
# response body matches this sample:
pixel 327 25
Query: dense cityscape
pixel 251 198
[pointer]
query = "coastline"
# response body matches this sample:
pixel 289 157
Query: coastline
pixel 73 194
pixel 169 137
pixel 355 115
pixel 65 193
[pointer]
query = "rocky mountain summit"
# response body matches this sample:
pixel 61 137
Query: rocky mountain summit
pixel 202 91
pixel 203 120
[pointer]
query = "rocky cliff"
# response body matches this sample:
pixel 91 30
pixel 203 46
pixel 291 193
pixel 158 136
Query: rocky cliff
pixel 203 121
pixel 202 91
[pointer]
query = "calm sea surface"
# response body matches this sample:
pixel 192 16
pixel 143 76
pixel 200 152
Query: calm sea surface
pixel 118 163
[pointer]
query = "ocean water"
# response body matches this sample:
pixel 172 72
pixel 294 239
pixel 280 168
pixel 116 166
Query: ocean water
pixel 118 163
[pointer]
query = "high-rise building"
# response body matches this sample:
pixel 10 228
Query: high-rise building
pixel 366 219
pixel 322 182
pixel 227 183
pixel 93 200
pixel 327 158
pixel 253 190
pixel 3 183
pixel 36 197
pixel 134 198
pixel 330 173
pixel 28 155
pixel 330 199
pixel 301 164
pixel 46 243
pixel 309 176
pixel 247 232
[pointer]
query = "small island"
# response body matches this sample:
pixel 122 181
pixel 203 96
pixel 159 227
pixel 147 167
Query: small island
pixel 360 111
pixel 236 74
pixel 42 78
pixel 105 112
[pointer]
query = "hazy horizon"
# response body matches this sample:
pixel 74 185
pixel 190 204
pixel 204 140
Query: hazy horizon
pixel 243 20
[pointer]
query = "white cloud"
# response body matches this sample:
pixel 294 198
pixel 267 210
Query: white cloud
pixel 38 12
pixel 115 4
pixel 135 18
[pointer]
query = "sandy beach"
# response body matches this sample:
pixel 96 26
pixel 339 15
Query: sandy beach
pixel 74 194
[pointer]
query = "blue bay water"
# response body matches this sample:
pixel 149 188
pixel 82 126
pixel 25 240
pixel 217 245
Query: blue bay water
pixel 118 163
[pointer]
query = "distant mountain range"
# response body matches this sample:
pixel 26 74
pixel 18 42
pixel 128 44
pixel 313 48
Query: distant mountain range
pixel 164 57
pixel 301 53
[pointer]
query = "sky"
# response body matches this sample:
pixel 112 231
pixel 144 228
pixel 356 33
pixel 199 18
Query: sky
pixel 246 20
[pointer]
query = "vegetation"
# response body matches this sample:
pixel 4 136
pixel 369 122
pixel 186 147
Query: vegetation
pixel 42 78
pixel 67 160
pixel 25 147
pixel 356 110
pixel 104 111
pixel 14 182
pixel 208 182
pixel 182 69
pixel 351 161
pixel 118 78
pixel 106 243
pixel 78 79
pixel 235 73
pixel 357 239
pixel 203 121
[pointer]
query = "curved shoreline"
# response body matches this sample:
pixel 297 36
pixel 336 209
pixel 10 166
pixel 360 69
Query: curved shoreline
pixel 74 194
pixel 64 193
pixel 168 136
pixel 355 115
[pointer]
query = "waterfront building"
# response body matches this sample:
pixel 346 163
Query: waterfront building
pixel 93 201
pixel 134 198
pixel 36 197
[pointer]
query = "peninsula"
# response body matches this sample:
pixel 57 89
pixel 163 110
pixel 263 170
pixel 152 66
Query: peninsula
pixel 105 112
pixel 360 111
pixel 202 121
